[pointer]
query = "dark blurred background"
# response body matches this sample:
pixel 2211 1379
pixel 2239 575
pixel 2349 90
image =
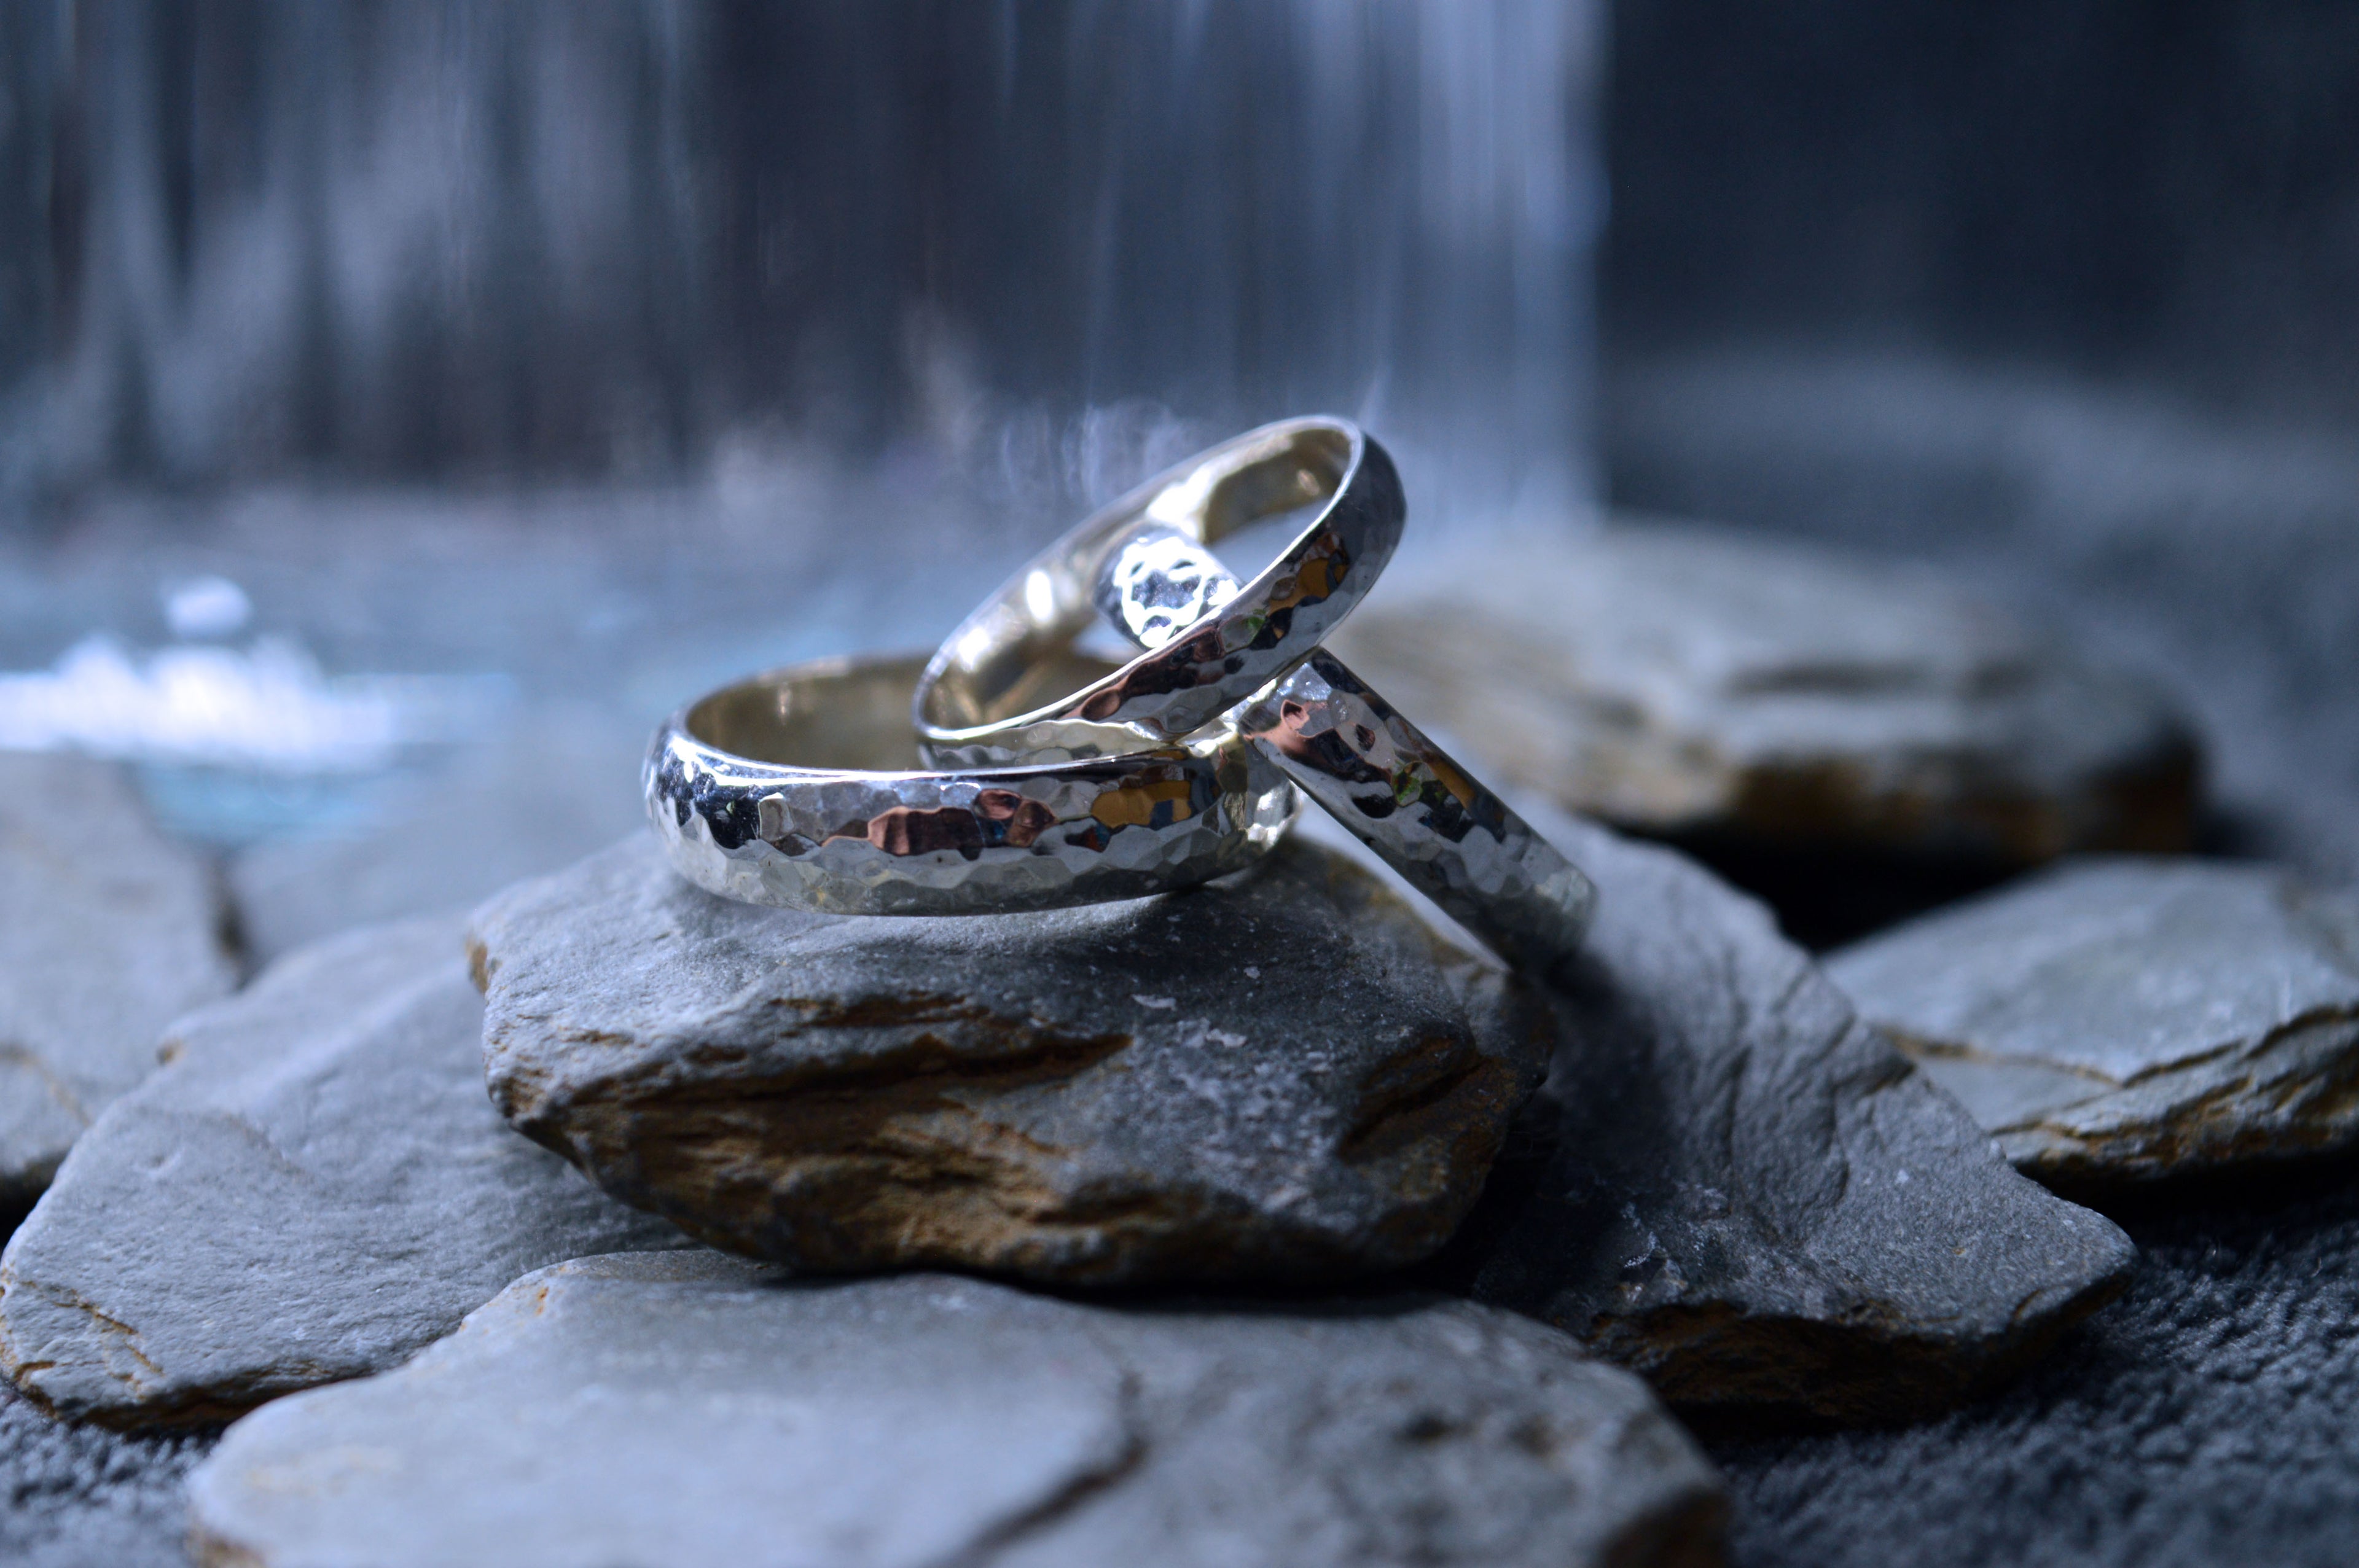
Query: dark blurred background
pixel 2064 295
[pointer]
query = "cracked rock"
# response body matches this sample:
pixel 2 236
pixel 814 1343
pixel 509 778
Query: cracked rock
pixel 312 1189
pixel 2117 1019
pixel 1682 680
pixel 108 932
pixel 1732 1185
pixel 1285 1076
pixel 693 1411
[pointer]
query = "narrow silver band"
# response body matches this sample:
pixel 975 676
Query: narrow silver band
pixel 1379 775
pixel 979 701
pixel 800 788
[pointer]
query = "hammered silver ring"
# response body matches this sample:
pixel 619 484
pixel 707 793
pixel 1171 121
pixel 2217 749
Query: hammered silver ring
pixel 980 700
pixel 802 788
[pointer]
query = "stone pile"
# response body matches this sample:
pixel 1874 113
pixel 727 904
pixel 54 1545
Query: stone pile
pixel 1262 1223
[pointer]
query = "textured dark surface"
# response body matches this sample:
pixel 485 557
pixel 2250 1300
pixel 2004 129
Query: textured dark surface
pixel 84 1498
pixel 690 1412
pixel 2207 1417
pixel 1282 1074
pixel 1738 1189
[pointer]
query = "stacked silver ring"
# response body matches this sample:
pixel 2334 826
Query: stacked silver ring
pixel 1168 770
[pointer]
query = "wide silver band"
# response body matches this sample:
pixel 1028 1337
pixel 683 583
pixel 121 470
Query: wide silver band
pixel 801 788
pixel 987 695
pixel 1379 775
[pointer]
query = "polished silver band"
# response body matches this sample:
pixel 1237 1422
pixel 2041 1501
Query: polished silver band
pixel 985 698
pixel 1374 772
pixel 800 788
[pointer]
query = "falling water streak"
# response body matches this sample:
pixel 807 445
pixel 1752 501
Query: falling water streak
pixel 1047 243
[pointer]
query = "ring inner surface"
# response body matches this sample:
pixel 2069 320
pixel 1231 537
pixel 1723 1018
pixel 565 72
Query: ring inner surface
pixel 836 716
pixel 1032 666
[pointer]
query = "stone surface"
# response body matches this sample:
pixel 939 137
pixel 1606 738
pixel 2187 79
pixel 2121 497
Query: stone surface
pixel 550 787
pixel 108 932
pixel 1677 679
pixel 692 1411
pixel 1732 1184
pixel 2123 1018
pixel 1285 1075
pixel 312 1189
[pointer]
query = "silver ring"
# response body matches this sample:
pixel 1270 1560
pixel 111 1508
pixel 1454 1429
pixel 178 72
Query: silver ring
pixel 800 788
pixel 978 702
pixel 1379 775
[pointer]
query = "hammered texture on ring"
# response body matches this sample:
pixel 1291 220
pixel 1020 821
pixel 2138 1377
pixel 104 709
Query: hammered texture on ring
pixel 799 788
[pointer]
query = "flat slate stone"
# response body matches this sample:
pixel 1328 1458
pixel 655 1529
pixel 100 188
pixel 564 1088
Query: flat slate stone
pixel 312 1189
pixel 551 786
pixel 1677 679
pixel 1284 1077
pixel 691 1410
pixel 2117 1019
pixel 1732 1185
pixel 108 932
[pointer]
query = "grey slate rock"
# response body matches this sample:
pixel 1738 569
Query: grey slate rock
pixel 1732 1185
pixel 1284 1077
pixel 552 785
pixel 312 1189
pixel 693 1411
pixel 108 932
pixel 1678 679
pixel 2119 1019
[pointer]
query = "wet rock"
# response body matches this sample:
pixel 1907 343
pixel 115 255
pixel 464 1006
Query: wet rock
pixel 312 1189
pixel 108 932
pixel 1284 1077
pixel 549 788
pixel 1732 1185
pixel 695 1412
pixel 1679 680
pixel 2116 1020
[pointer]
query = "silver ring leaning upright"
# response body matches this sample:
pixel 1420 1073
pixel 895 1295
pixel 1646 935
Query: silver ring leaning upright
pixel 1375 773
pixel 1149 571
pixel 800 788
pixel 978 701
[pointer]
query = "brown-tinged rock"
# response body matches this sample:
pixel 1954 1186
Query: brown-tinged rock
pixel 313 1188
pixel 108 932
pixel 1284 1077
pixel 2118 1019
pixel 1732 1185
pixel 694 1412
pixel 1679 680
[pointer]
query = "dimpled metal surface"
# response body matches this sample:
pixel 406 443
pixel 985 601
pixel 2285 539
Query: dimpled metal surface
pixel 1378 775
pixel 884 841
pixel 972 705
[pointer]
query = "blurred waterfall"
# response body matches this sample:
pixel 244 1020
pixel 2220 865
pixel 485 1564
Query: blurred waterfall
pixel 1047 244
